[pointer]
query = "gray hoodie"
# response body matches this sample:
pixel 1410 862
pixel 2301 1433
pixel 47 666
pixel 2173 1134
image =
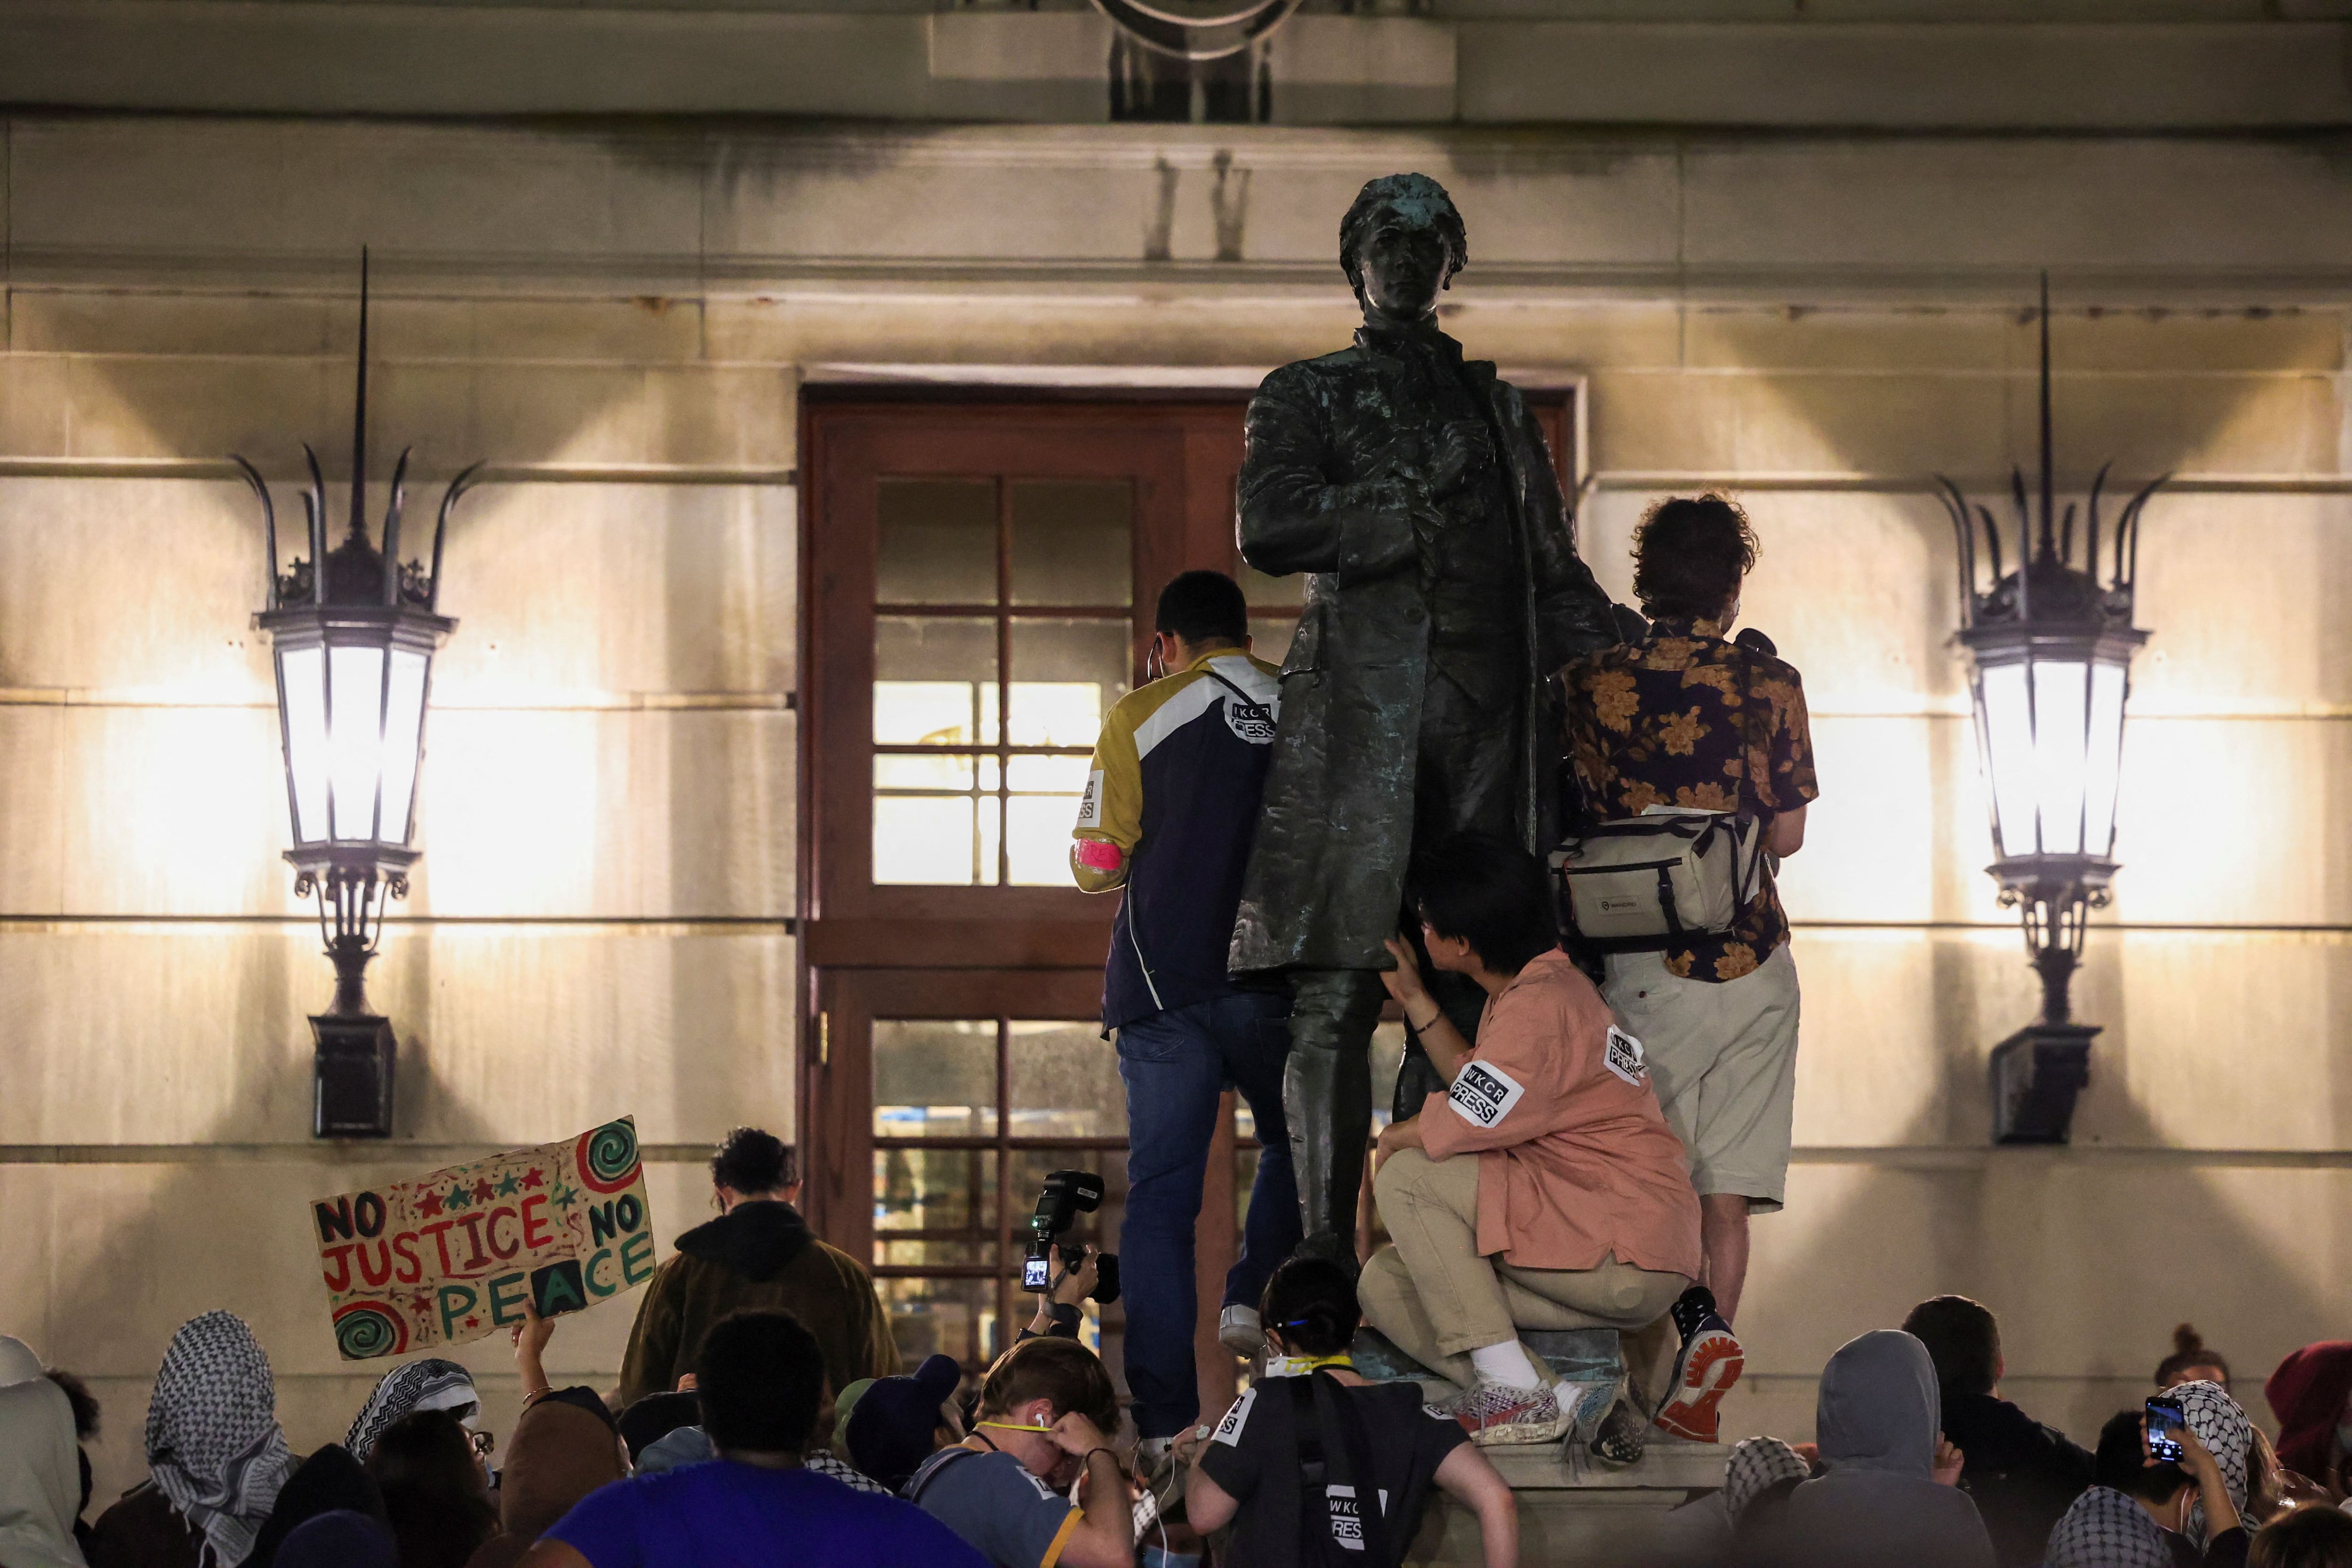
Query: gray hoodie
pixel 1879 1503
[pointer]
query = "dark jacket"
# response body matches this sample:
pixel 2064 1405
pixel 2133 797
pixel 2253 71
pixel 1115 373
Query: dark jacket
pixel 756 1255
pixel 1331 486
pixel 2023 1476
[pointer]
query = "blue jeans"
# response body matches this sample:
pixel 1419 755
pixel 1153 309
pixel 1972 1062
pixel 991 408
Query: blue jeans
pixel 1175 1064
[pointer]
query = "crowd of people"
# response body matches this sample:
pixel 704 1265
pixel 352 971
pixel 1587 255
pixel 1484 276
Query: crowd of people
pixel 758 1455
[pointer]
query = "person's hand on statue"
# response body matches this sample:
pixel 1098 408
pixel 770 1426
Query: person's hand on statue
pixel 1403 982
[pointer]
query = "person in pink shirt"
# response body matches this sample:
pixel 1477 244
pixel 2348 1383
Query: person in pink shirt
pixel 1543 1189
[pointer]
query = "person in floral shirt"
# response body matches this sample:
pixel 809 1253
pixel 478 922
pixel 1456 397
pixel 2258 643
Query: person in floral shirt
pixel 1687 718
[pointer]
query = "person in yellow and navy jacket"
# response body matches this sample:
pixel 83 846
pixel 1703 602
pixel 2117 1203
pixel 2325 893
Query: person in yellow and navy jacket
pixel 1170 807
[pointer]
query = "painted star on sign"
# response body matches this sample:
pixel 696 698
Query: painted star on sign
pixel 565 1197
pixel 430 1206
pixel 460 1199
pixel 534 1178
pixel 483 1191
pixel 510 1186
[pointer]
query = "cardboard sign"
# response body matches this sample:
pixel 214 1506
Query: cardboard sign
pixel 453 1255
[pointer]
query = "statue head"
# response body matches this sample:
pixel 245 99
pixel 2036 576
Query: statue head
pixel 1400 244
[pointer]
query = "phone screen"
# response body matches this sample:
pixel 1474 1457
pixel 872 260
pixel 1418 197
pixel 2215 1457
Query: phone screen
pixel 1036 1274
pixel 2165 1420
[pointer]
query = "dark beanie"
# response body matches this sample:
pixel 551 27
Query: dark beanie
pixel 890 1430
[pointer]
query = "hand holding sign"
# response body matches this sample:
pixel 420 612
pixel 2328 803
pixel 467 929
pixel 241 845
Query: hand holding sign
pixel 459 1253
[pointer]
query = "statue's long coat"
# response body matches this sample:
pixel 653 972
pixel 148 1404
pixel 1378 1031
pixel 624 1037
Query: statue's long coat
pixel 1327 488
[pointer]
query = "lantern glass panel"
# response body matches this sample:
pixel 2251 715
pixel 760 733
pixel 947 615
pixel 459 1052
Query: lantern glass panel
pixel 302 676
pixel 2104 759
pixel 355 736
pixel 2009 754
pixel 404 726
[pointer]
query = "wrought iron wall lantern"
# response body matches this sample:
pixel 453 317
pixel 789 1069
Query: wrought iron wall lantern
pixel 353 633
pixel 2050 648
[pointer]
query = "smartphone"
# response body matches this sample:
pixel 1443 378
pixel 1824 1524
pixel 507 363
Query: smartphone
pixel 2165 1421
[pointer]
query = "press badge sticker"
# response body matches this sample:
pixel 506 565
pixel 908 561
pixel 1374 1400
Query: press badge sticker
pixel 1624 1056
pixel 1229 1430
pixel 1252 722
pixel 1484 1095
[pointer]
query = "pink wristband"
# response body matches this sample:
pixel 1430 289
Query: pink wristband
pixel 1097 855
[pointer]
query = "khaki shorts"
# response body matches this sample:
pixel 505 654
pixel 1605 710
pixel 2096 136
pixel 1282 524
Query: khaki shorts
pixel 1723 1055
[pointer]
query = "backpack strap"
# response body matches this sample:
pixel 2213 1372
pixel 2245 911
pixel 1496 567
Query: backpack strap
pixel 1313 1503
pixel 923 1478
pixel 1343 1412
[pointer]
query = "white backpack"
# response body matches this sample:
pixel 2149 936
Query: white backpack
pixel 1671 873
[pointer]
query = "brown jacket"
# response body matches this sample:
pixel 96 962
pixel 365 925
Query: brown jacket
pixel 756 1256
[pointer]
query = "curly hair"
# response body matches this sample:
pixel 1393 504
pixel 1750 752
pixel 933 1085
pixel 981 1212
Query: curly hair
pixel 1689 556
pixel 1416 200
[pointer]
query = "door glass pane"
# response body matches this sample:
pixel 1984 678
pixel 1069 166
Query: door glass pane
pixel 1072 541
pixel 934 1078
pixel 938 543
pixel 934 1190
pixel 935 681
pixel 944 1317
pixel 1065 676
pixel 1270 593
pixel 936 840
pixel 1270 638
pixel 1066 1083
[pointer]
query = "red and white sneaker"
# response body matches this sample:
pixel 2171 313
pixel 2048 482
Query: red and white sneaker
pixel 1710 1364
pixel 1495 1413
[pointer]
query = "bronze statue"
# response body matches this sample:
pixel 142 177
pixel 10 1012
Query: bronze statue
pixel 1416 489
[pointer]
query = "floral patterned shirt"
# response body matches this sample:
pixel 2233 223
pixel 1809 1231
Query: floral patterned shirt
pixel 1667 722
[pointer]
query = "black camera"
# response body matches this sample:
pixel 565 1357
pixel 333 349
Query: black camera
pixel 1067 1194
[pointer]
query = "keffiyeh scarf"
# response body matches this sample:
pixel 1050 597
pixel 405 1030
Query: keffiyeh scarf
pixel 2220 1423
pixel 1757 1465
pixel 2104 1529
pixel 428 1385
pixel 213 1445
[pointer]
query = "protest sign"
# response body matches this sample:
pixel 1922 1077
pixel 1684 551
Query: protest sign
pixel 453 1255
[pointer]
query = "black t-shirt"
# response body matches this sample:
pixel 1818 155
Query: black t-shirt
pixel 1254 1456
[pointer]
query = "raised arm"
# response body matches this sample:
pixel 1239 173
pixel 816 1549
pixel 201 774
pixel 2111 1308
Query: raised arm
pixel 1293 517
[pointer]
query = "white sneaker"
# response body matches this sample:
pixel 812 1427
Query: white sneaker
pixel 1496 1414
pixel 1239 1331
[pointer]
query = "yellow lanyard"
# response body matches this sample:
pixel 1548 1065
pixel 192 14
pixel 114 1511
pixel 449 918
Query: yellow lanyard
pixel 1301 1365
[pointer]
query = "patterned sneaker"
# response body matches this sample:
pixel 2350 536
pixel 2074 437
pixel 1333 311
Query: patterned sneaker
pixel 1497 1413
pixel 1710 1363
pixel 1621 1439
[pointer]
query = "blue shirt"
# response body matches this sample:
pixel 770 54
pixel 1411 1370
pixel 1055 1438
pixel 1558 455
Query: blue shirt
pixel 1013 1518
pixel 726 1515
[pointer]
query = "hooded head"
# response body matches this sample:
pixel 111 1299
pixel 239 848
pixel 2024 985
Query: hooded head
pixel 1879 1409
pixel 559 1453
pixel 2308 1393
pixel 40 1487
pixel 18 1362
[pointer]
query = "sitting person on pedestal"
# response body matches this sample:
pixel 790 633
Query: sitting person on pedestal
pixel 1543 1189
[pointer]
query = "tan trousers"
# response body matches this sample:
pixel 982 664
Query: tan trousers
pixel 1434 1275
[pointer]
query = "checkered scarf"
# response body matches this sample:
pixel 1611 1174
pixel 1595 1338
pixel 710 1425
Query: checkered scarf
pixel 2220 1423
pixel 213 1445
pixel 1757 1464
pixel 2104 1529
pixel 405 1389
